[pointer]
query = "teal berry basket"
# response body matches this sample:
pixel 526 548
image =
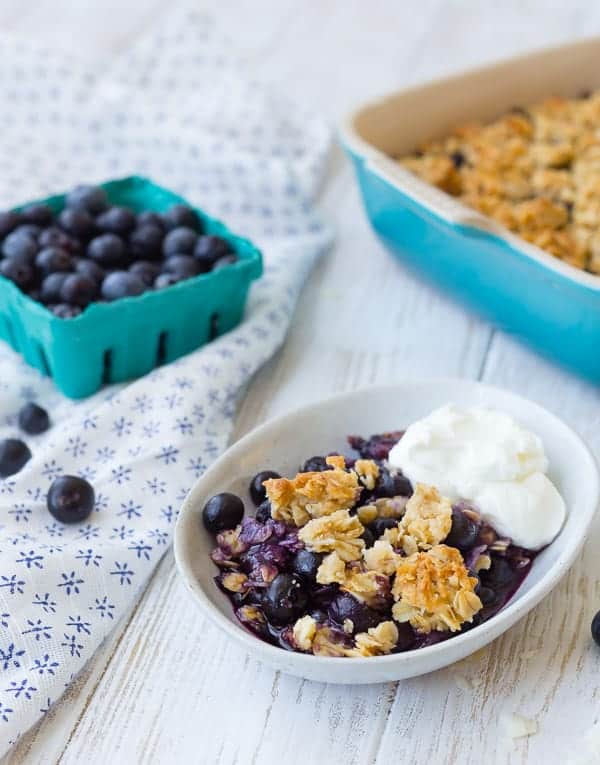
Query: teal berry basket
pixel 127 338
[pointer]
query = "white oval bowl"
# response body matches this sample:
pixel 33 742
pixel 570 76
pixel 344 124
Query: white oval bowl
pixel 285 442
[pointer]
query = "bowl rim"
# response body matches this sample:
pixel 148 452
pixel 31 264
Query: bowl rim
pixel 504 619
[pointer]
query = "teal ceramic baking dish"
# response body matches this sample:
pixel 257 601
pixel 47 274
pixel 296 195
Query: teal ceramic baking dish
pixel 553 307
pixel 111 342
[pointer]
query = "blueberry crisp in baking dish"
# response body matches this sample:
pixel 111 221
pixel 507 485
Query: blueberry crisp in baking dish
pixel 535 170
pixel 414 537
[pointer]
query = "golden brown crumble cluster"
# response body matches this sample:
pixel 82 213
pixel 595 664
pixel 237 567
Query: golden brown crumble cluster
pixel 536 171
pixel 428 581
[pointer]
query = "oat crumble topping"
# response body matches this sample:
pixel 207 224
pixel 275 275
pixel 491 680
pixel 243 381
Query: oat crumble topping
pixel 304 632
pixel 377 641
pixel 434 591
pixel 337 532
pixel 427 520
pixel 536 171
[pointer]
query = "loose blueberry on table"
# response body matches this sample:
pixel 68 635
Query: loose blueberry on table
pixel 349 559
pixel 93 251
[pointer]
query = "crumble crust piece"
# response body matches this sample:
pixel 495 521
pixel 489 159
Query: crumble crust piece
pixel 426 522
pixel 337 532
pixel 377 641
pixel 304 632
pixel 434 591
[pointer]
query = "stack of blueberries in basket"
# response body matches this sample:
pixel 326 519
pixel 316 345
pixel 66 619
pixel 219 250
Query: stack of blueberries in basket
pixel 92 251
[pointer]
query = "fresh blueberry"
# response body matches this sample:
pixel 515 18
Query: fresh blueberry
pixel 167 280
pixel 284 599
pixel 346 606
pixel 39 214
pixel 55 237
pixel 150 217
pixel 33 419
pixel 223 511
pixel 90 199
pixel 596 628
pixel 90 269
pixel 463 533
pixel 120 284
pixel 108 250
pixel 51 287
pixel 146 270
pixel 35 294
pixel 78 290
pixel 117 220
pixel 19 246
pixel 181 215
pixel 392 485
pixel 65 311
pixel 29 229
pixel 306 564
pixel 209 249
pixel 179 241
pixel 70 499
pixel 379 525
pixel 9 220
pixel 369 537
pixel 183 266
pixel 13 455
pixel 52 259
pixel 18 272
pixel 78 223
pixel 257 490
pixel 263 511
pixel 315 465
pixel 226 260
pixel 146 242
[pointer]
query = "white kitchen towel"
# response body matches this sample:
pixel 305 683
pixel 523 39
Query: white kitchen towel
pixel 176 109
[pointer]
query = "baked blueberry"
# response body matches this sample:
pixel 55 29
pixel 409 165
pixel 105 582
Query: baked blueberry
pixel 596 628
pixel 89 269
pixel 223 511
pixel 117 220
pixel 52 259
pixel 166 280
pixel 70 499
pixel 13 455
pixel 179 241
pixel 499 575
pixel 146 270
pixel 226 260
pixel 146 241
pixel 346 606
pixel 285 599
pixel 379 525
pixel 184 266
pixel 78 223
pixel 463 532
pixel 90 199
pixel 306 564
pixel 108 250
pixel 181 215
pixel 263 511
pixel 33 418
pixel 368 537
pixel 18 272
pixel 39 214
pixel 65 311
pixel 51 287
pixel 120 284
pixel 78 290
pixel 315 465
pixel 257 490
pixel 9 220
pixel 19 245
pixel 150 217
pixel 486 595
pixel 392 485
pixel 209 249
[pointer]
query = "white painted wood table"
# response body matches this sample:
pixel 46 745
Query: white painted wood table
pixel 166 687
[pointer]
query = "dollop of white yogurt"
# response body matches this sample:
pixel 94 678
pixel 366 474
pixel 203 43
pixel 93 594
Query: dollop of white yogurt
pixel 485 457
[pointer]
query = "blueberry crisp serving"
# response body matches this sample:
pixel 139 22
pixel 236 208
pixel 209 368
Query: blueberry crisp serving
pixel 358 556
pixel 93 251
